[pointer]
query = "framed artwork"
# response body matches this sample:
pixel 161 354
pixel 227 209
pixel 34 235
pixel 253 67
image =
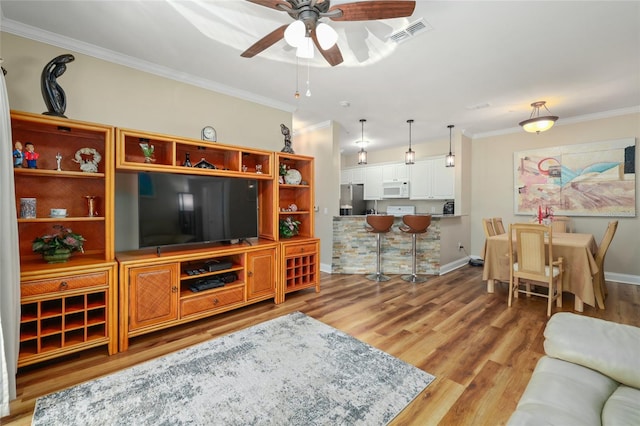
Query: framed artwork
pixel 591 179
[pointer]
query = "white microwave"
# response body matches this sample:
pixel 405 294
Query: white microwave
pixel 395 189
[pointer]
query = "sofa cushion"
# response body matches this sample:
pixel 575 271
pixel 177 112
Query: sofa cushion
pixel 562 393
pixel 604 346
pixel 622 408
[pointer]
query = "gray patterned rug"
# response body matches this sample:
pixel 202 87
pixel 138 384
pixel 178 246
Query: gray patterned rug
pixel 292 370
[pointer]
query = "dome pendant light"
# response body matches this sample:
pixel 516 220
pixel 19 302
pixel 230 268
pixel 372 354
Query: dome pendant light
pixel 410 156
pixel 450 159
pixel 362 154
pixel 538 124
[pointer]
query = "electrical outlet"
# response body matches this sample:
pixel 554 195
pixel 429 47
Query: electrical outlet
pixel 460 246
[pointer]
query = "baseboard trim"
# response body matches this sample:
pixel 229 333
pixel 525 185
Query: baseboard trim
pixel 452 266
pixel 325 268
pixel 622 278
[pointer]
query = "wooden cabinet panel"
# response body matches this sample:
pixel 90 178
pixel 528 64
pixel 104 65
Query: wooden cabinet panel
pixel 261 276
pixel 300 267
pixel 153 295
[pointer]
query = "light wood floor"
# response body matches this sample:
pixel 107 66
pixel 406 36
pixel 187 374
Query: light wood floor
pixel 481 351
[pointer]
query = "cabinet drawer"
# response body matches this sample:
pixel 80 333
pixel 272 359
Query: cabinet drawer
pixel 74 282
pixel 299 249
pixel 207 302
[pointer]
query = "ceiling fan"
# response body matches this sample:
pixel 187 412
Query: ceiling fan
pixel 306 31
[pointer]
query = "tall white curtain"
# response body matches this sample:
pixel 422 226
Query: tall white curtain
pixel 9 262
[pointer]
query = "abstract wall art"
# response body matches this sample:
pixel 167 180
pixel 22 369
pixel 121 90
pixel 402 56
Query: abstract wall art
pixel 591 179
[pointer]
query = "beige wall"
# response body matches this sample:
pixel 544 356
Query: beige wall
pixel 492 185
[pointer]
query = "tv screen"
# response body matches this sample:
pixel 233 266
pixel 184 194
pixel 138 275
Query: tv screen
pixel 185 209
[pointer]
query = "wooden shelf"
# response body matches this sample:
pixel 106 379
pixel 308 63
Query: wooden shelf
pixel 61 303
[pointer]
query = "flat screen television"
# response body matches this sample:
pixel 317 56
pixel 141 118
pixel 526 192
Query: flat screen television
pixel 175 209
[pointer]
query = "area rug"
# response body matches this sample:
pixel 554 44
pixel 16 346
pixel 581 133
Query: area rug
pixel 292 370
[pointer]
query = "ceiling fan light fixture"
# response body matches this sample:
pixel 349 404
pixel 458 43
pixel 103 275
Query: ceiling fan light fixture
pixel 450 159
pixel 537 124
pixel 410 156
pixel 295 33
pixel 327 36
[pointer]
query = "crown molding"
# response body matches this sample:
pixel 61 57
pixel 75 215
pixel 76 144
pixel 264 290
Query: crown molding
pixel 32 33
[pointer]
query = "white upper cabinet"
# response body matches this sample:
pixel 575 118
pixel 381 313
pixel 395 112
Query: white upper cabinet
pixel 432 180
pixel 373 183
pixel 353 175
pixel 395 172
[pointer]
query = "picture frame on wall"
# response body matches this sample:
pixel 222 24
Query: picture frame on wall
pixel 590 179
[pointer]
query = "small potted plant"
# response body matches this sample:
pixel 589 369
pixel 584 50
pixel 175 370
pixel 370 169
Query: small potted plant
pixel 282 172
pixel 58 246
pixel 289 227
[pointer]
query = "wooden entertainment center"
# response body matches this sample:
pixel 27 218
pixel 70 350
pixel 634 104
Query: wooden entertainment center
pixel 104 298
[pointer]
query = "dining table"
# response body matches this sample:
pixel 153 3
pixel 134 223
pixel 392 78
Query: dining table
pixel 577 250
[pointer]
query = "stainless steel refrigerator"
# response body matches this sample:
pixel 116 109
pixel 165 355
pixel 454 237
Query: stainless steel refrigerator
pixel 352 200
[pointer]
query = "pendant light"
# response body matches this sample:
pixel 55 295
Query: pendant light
pixel 450 159
pixel 410 156
pixel 538 124
pixel 362 154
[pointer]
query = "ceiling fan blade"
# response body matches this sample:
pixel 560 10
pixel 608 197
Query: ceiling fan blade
pixel 265 42
pixel 371 10
pixel 332 55
pixel 273 4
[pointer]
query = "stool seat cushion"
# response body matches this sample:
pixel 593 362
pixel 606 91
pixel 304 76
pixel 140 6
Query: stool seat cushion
pixel 415 224
pixel 379 223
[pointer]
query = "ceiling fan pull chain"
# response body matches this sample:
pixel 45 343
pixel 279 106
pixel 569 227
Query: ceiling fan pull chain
pixel 297 94
pixel 308 85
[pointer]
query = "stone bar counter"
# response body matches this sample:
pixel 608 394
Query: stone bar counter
pixel 354 249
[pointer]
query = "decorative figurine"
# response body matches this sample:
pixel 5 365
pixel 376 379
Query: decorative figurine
pixel 52 93
pixel 18 156
pixel 91 205
pixel 187 160
pixel 88 158
pixel 31 155
pixel 58 160
pixel 287 139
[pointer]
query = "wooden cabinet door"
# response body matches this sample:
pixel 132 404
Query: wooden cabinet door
pixel 260 272
pixel 373 183
pixel 443 182
pixel 153 295
pixel 421 179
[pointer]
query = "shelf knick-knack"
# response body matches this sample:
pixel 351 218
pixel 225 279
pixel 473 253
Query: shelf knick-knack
pixel 91 205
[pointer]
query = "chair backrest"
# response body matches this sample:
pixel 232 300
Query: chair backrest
pixel 605 243
pixel 489 230
pixel 379 223
pixel 498 226
pixel 530 249
pixel 561 224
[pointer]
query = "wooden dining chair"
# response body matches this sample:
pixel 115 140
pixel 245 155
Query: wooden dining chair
pixel 530 263
pixel 561 224
pixel 599 285
pixel 498 226
pixel 489 230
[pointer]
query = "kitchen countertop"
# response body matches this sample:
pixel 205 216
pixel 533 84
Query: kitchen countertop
pixel 438 216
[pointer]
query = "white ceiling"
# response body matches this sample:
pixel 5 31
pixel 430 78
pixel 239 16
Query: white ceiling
pixel 479 66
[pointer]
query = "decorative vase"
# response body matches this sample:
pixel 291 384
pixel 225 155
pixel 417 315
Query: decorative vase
pixel 61 255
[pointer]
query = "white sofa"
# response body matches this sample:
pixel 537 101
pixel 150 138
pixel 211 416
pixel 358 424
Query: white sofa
pixel 590 375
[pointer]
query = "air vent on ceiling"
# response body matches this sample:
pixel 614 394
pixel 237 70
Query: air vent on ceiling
pixel 417 27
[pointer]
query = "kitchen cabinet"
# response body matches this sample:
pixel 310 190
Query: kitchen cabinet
pixel 373 183
pixel 352 176
pixel 395 172
pixel 432 180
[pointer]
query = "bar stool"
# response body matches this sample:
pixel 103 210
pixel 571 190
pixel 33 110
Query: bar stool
pixel 414 225
pixel 378 224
